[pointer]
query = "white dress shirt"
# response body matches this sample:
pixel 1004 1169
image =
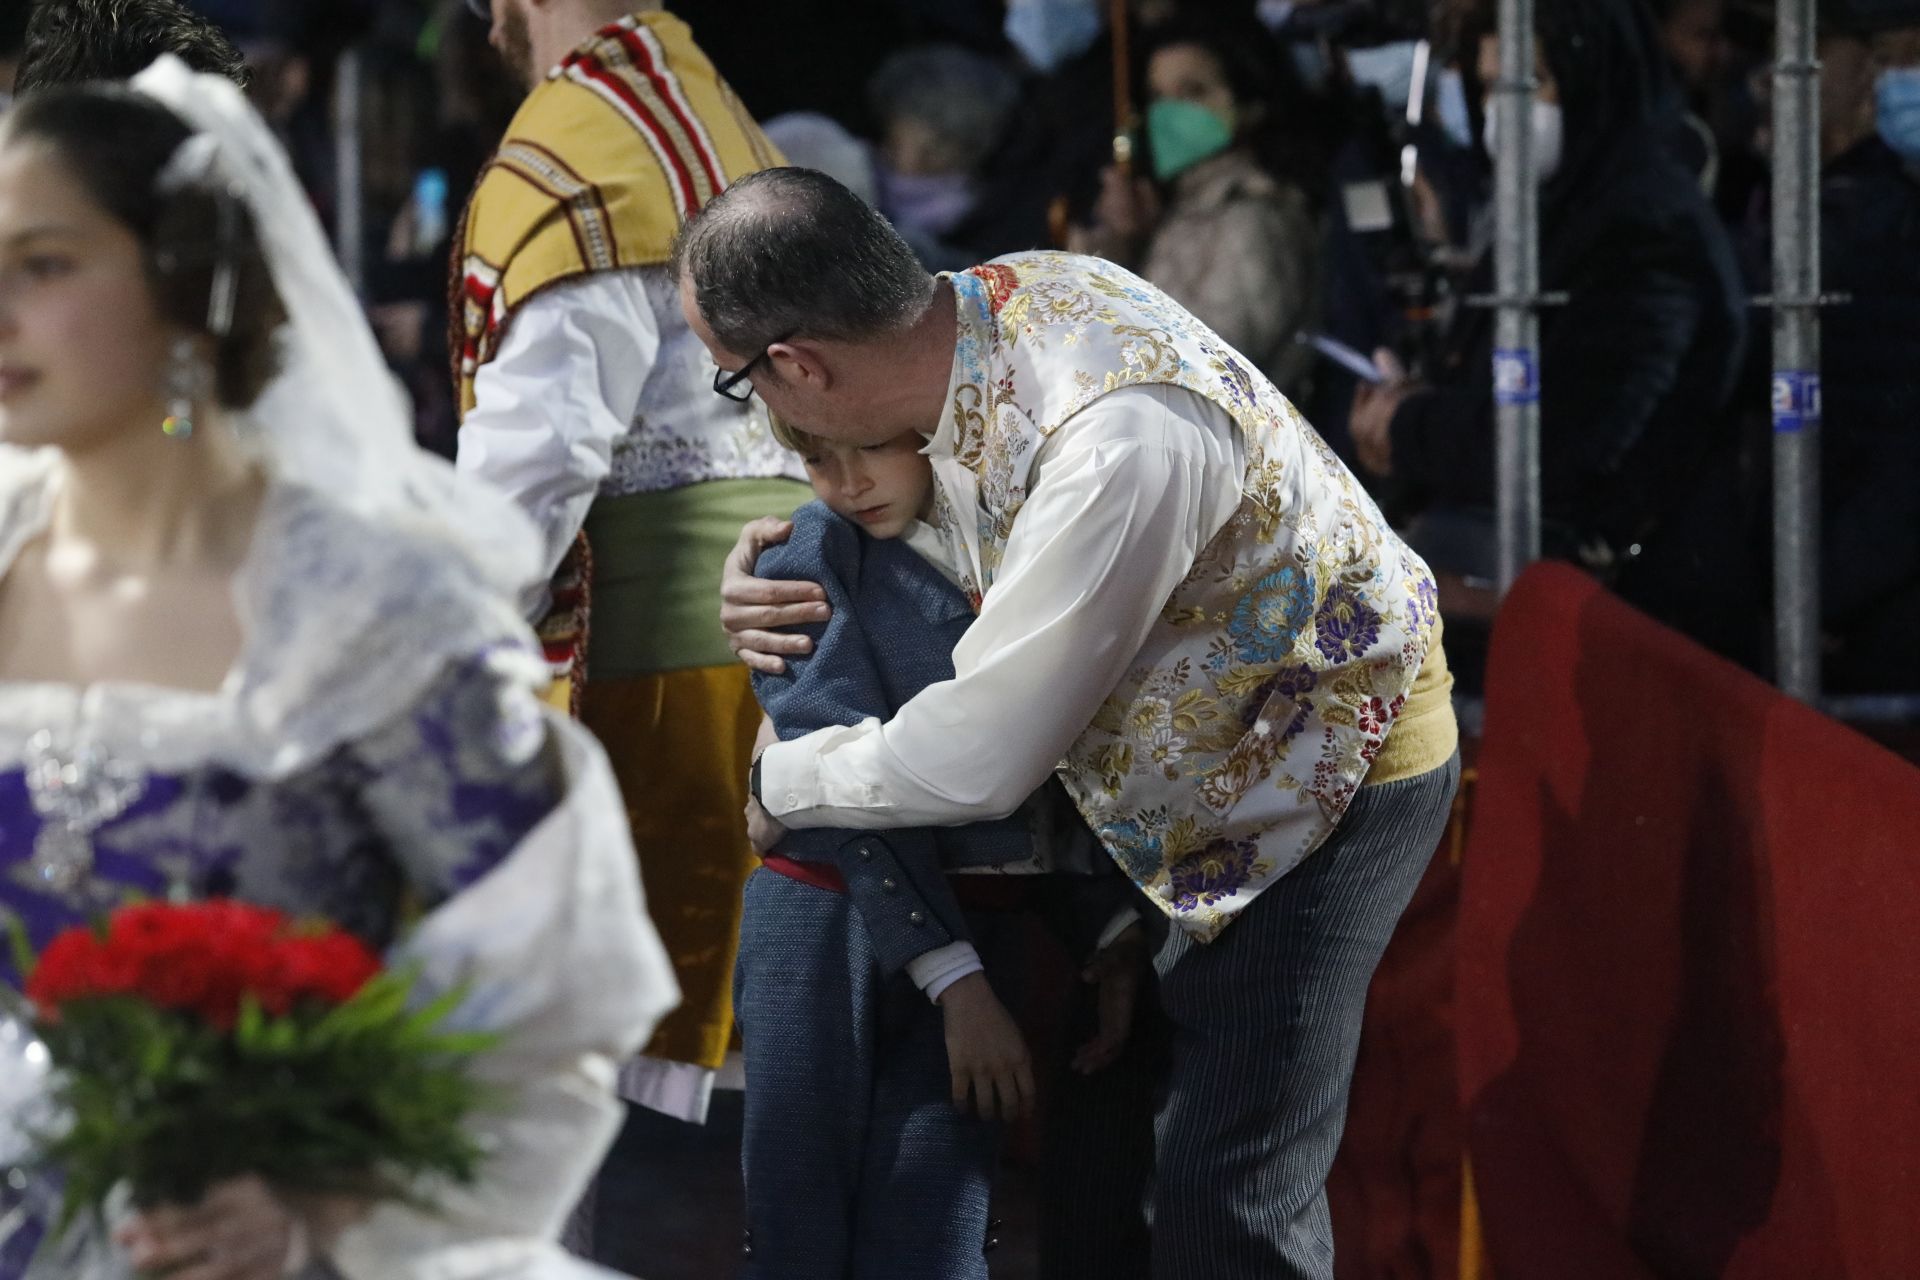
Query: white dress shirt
pixel 600 389
pixel 1125 496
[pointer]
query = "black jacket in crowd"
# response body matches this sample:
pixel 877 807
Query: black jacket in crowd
pixel 1638 366
pixel 1870 439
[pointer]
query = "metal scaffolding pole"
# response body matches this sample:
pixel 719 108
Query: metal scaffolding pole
pixel 1516 357
pixel 1796 352
pixel 350 216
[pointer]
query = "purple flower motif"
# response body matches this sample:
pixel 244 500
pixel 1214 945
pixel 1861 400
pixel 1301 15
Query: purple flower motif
pixel 1346 625
pixel 1213 874
pixel 1291 684
pixel 1233 377
pixel 1423 609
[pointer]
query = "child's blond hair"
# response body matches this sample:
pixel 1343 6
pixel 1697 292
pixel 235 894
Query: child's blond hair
pixel 804 443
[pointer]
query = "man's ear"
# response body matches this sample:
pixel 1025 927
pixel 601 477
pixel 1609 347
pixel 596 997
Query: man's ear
pixel 800 363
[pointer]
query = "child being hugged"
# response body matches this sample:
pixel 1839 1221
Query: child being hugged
pixel 878 1054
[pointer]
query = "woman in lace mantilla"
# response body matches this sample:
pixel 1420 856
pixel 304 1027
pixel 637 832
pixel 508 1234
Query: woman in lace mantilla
pixel 254 644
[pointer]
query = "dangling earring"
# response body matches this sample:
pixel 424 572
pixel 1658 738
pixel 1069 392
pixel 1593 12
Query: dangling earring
pixel 186 378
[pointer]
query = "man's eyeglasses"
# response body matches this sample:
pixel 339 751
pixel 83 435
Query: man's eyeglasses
pixel 738 383
pixel 481 9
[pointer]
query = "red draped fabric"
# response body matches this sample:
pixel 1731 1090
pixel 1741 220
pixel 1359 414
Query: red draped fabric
pixel 1689 964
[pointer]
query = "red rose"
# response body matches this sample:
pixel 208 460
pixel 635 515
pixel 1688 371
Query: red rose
pixel 203 960
pixel 64 971
pixel 330 967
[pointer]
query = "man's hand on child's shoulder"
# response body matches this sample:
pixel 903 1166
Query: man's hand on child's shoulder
pixel 751 608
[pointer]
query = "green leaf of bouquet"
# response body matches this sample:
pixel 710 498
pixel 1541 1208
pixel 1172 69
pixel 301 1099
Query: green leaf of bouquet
pixel 24 958
pixel 251 1022
pixel 438 1010
pixel 381 1001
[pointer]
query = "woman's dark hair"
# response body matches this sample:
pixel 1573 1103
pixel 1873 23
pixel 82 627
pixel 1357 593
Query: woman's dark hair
pixel 1298 131
pixel 78 41
pixel 115 143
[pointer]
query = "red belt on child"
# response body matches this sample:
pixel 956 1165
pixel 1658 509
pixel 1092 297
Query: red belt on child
pixel 821 875
pixel 974 892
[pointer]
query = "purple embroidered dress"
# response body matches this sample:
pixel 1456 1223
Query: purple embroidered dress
pixel 378 751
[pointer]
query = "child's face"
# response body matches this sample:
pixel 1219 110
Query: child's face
pixel 884 487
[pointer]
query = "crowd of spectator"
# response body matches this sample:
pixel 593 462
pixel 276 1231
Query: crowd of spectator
pixel 1314 170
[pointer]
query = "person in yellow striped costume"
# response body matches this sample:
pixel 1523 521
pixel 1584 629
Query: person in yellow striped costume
pixel 585 396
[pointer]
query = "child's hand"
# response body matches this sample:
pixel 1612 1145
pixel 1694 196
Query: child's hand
pixel 986 1052
pixel 1115 969
pixel 764 831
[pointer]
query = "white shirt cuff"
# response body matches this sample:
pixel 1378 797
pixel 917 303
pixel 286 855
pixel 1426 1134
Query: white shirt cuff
pixel 682 1090
pixel 1123 920
pixel 940 968
pixel 797 791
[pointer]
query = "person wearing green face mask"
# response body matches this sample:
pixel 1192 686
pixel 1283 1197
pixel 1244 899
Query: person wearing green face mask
pixel 1218 228
pixel 1180 134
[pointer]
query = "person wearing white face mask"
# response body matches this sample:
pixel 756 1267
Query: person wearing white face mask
pixel 1870 252
pixel 1548 124
pixel 1637 366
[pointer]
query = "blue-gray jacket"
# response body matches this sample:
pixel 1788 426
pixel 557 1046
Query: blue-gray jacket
pixel 894 625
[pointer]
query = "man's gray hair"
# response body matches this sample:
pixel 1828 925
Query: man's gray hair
pixel 791 253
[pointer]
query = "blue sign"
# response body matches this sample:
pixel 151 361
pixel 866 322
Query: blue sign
pixel 1796 401
pixel 1516 377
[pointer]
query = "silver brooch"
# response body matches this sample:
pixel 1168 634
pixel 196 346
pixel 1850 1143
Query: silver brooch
pixel 75 793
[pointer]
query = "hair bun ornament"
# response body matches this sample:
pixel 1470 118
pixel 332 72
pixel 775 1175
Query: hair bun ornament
pixel 193 164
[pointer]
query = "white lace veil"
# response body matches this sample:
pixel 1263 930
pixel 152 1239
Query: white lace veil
pixel 334 418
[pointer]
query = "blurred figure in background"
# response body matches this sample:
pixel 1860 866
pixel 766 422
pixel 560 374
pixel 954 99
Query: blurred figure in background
pixel 1870 441
pixel 1230 239
pixel 13 42
pixel 1693 37
pixel 1869 56
pixel 1636 368
pixel 445 129
pixel 810 140
pixel 942 110
pixel 1064 134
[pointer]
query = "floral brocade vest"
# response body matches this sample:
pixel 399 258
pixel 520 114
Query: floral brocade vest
pixel 1236 741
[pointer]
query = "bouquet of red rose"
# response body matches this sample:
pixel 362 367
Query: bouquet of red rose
pixel 194 1044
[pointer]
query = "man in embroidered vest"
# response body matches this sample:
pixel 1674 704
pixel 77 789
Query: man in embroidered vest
pixel 584 395
pixel 1188 609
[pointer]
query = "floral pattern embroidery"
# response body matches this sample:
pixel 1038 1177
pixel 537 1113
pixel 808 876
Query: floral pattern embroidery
pixel 1270 616
pixel 1276 669
pixel 1215 874
pixel 1346 625
pixel 1134 848
pixel 649 458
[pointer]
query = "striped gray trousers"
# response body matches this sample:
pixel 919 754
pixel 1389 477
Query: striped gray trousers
pixel 1265 1024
